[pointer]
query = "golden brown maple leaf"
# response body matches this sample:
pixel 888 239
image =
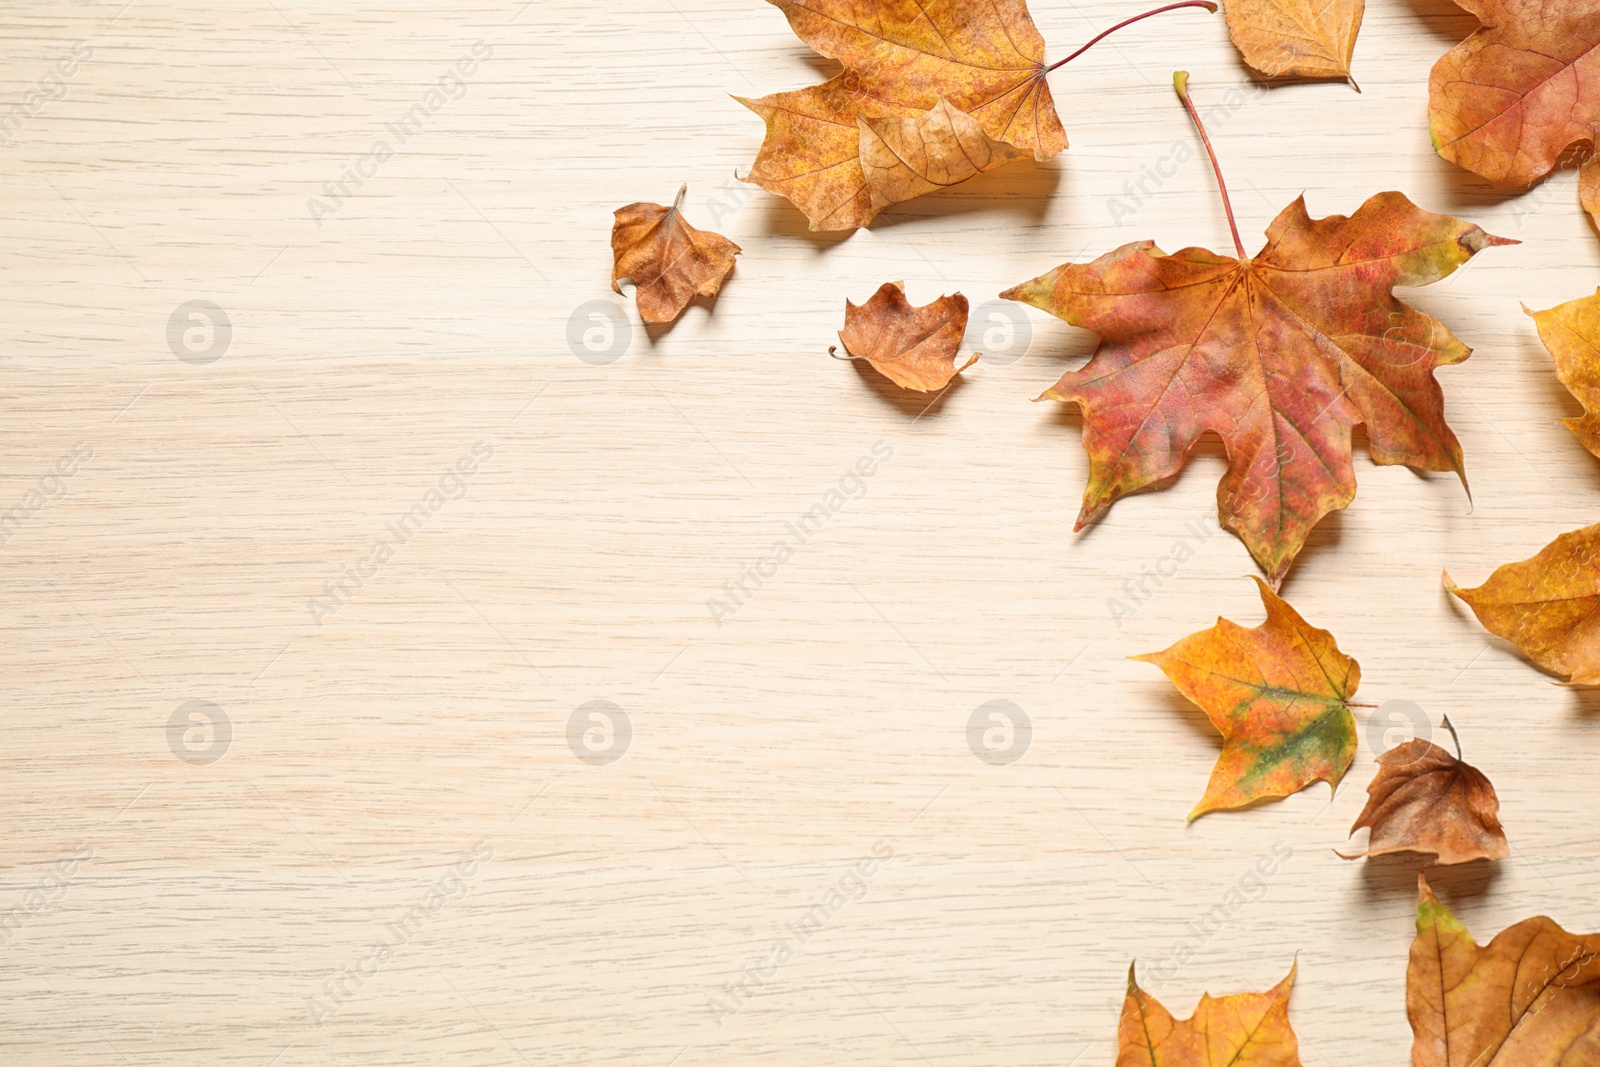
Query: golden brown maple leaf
pixel 901 59
pixel 1530 998
pixel 669 262
pixel 1547 605
pixel 1241 1029
pixel 914 347
pixel 1281 355
pixel 1279 695
pixel 1507 102
pixel 1423 799
pixel 1571 332
pixel 1296 38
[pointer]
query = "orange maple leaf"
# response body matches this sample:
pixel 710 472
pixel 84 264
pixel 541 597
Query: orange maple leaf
pixel 1571 333
pixel 1280 697
pixel 1242 1029
pixel 669 262
pixel 1281 355
pixel 1296 38
pixel 914 347
pixel 1547 605
pixel 953 80
pixel 1529 998
pixel 1509 101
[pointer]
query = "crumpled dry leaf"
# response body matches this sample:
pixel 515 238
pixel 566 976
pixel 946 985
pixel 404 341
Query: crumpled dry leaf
pixel 1241 1030
pixel 901 59
pixel 1547 605
pixel 1507 102
pixel 1279 695
pixel 1530 998
pixel 669 262
pixel 1281 355
pixel 914 347
pixel 1296 38
pixel 1571 333
pixel 1423 799
pixel 903 159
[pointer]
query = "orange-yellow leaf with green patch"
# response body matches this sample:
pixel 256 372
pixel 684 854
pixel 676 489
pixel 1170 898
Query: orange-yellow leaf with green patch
pixel 1240 1030
pixel 1279 695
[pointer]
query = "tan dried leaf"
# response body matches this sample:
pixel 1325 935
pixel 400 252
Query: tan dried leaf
pixel 669 262
pixel 943 146
pixel 914 347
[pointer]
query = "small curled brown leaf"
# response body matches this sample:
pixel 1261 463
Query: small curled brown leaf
pixel 669 261
pixel 914 347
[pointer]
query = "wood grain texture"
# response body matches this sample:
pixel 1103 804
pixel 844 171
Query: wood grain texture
pixel 379 748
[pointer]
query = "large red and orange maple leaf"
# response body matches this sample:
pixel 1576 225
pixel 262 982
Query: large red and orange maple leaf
pixel 1280 354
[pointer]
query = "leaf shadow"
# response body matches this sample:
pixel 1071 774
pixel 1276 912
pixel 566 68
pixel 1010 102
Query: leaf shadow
pixel 780 218
pixel 1445 19
pixel 906 401
pixel 1023 187
pixel 1395 875
pixel 656 332
pixel 1585 700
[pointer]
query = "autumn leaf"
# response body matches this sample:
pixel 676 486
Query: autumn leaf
pixel 1423 799
pixel 1296 38
pixel 1547 605
pixel 940 73
pixel 1530 998
pixel 1281 355
pixel 668 261
pixel 1279 695
pixel 902 159
pixel 914 347
pixel 1571 333
pixel 1509 101
pixel 1242 1029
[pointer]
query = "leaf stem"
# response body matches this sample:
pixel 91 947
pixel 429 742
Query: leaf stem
pixel 1207 4
pixel 1180 82
pixel 1454 736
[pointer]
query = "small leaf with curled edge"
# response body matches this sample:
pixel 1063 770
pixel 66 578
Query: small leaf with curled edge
pixel 1547 605
pixel 669 262
pixel 1279 695
pixel 914 347
pixel 1529 998
pixel 1571 334
pixel 1423 799
pixel 1241 1029
pixel 1296 38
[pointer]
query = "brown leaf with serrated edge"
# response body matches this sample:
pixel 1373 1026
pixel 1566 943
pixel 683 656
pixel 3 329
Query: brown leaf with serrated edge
pixel 669 262
pixel 914 347
pixel 1547 605
pixel 1241 1029
pixel 1529 998
pixel 1296 38
pixel 906 158
pixel 1423 799
pixel 1571 334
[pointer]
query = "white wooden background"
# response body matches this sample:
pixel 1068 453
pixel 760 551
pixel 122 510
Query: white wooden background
pixel 212 905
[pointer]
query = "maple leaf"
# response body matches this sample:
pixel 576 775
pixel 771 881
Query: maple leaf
pixel 914 347
pixel 1296 38
pixel 1547 605
pixel 1507 102
pixel 1279 695
pixel 1571 333
pixel 1530 998
pixel 1280 355
pixel 950 70
pixel 668 261
pixel 1242 1029
pixel 1423 799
